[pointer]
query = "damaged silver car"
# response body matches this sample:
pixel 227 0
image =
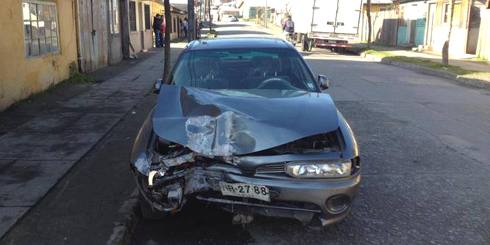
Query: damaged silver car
pixel 243 124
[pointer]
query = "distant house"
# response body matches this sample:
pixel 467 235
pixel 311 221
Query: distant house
pixel 395 23
pixel 179 13
pixel 140 14
pixel 412 22
pixel 470 27
pixel 384 22
pixel 248 9
pixel 415 22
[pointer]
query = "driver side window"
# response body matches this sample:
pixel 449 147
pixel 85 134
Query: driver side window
pixel 296 75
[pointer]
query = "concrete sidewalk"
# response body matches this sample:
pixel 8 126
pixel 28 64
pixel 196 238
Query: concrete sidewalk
pixel 467 63
pixel 40 141
pixel 464 70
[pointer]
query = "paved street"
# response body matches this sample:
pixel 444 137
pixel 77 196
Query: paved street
pixel 424 145
pixel 425 154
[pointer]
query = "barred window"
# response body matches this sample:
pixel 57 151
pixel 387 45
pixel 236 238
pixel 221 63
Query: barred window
pixel 40 28
pixel 132 16
pixel 147 17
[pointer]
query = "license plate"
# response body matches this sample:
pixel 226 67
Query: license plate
pixel 245 190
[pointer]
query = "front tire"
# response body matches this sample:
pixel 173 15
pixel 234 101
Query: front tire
pixel 306 44
pixel 311 43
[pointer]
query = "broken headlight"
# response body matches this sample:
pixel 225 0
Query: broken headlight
pixel 321 169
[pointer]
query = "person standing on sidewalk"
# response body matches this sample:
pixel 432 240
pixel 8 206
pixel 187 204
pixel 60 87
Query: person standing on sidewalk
pixel 185 26
pixel 157 29
pixel 288 28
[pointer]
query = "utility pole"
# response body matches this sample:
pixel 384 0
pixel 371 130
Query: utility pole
pixel 191 21
pixel 265 14
pixel 209 14
pixel 168 25
pixel 445 48
pixel 368 11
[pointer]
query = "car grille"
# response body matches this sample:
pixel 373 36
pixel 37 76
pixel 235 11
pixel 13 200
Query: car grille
pixel 270 168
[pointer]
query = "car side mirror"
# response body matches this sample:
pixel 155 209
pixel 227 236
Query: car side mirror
pixel 157 85
pixel 323 81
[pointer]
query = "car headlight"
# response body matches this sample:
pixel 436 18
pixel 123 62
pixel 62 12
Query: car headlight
pixel 321 169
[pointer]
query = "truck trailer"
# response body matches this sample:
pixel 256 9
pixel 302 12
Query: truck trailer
pixel 326 23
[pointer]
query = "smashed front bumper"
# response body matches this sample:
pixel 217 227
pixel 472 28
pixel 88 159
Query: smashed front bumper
pixel 328 200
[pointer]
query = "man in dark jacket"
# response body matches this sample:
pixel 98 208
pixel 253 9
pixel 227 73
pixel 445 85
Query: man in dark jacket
pixel 157 28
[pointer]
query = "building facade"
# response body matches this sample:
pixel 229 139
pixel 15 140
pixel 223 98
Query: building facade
pixel 483 47
pixel 384 23
pixel 466 26
pixel 50 40
pixel 412 23
pixel 40 48
pixel 415 23
pixel 99 33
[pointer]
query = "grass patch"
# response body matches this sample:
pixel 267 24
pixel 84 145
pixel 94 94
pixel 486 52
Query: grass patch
pixel 79 78
pixel 387 55
pixel 377 53
pixel 482 60
pixel 373 48
pixel 431 64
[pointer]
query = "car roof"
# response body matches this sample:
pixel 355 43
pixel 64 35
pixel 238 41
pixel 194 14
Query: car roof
pixel 235 43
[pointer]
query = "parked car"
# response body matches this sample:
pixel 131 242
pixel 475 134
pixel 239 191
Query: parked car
pixel 243 124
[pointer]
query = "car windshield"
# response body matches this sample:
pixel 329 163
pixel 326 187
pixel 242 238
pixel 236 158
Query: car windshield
pixel 237 69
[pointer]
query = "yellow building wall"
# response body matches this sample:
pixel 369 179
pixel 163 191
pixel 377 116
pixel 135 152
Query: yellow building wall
pixel 157 8
pixel 483 50
pixel 459 33
pixel 20 76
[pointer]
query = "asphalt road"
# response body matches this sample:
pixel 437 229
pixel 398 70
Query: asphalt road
pixel 424 145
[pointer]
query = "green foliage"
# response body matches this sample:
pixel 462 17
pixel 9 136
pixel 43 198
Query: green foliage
pixel 80 78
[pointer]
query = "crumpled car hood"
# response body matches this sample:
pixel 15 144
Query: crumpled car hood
pixel 237 122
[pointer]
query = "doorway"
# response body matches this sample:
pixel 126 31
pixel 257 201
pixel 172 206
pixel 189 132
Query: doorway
pixel 474 26
pixel 430 24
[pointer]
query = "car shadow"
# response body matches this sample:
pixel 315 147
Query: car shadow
pixel 196 223
pixel 200 223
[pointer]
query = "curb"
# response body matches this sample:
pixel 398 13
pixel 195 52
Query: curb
pixel 124 227
pixel 470 82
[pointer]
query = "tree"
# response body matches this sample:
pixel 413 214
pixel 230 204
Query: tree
pixel 168 24
pixel 368 13
pixel 445 47
pixel 209 14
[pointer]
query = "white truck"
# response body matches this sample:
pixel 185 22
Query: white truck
pixel 326 23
